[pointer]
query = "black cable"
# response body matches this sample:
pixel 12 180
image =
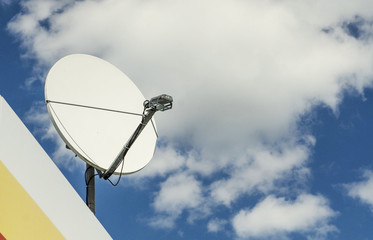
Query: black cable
pixel 90 178
pixel 85 174
pixel 120 176
pixel 114 184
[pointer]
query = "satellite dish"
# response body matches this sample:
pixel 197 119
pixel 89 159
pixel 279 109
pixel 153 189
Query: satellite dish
pixel 99 113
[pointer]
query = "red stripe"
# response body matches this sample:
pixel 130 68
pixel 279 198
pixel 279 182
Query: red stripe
pixel 2 237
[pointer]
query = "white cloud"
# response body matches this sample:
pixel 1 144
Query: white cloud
pixel 277 216
pixel 166 160
pixel 178 193
pixel 363 190
pixel 163 221
pixel 5 2
pixel 216 225
pixel 241 73
pixel 259 170
pixel 38 114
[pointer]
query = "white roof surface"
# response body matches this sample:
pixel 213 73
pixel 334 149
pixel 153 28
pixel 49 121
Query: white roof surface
pixel 43 181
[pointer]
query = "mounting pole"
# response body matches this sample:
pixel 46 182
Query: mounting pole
pixel 90 190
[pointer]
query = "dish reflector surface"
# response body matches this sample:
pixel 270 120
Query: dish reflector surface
pixel 96 108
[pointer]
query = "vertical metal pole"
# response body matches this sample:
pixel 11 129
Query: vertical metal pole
pixel 90 191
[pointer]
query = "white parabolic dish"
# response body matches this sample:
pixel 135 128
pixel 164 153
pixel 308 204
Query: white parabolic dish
pixel 96 108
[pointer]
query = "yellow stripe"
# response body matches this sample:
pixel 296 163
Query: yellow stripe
pixel 20 216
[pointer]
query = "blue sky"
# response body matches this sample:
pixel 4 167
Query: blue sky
pixel 270 135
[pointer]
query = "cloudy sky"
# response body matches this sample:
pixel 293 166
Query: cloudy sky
pixel 270 135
